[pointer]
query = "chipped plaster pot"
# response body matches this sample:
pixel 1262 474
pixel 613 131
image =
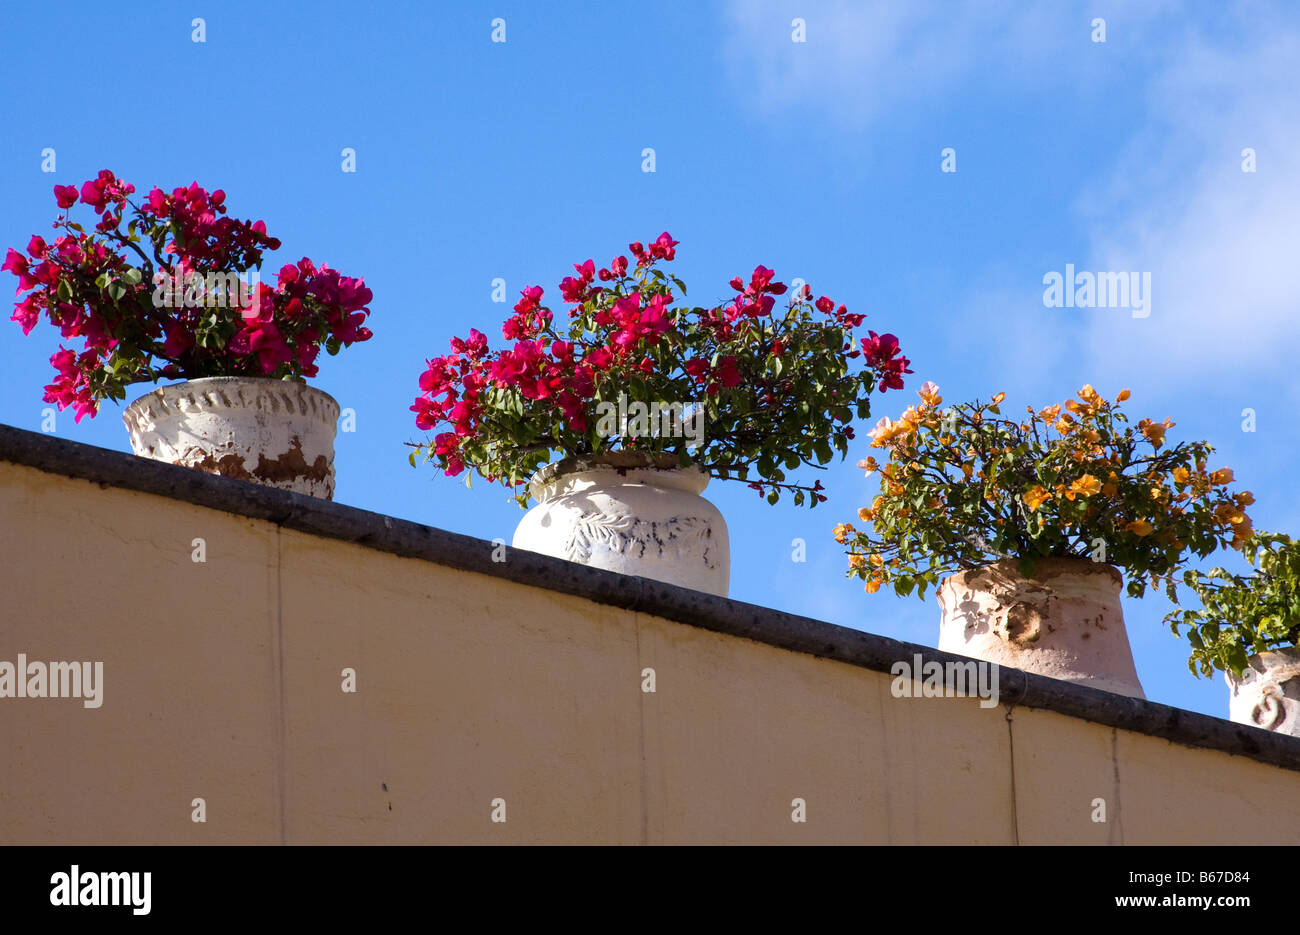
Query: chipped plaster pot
pixel 1066 622
pixel 632 514
pixel 279 433
pixel 1268 693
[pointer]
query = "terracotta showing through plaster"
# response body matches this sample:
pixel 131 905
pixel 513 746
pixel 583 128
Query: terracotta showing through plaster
pixel 278 433
pixel 1065 622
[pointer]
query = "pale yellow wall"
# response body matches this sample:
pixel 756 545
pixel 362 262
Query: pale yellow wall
pixel 222 680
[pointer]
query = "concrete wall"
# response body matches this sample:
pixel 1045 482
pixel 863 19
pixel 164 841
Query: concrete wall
pixel 222 680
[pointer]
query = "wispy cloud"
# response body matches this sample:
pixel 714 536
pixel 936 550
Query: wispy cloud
pixel 1222 244
pixel 866 60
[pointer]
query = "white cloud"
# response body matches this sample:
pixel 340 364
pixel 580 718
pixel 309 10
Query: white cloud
pixel 866 59
pixel 1223 246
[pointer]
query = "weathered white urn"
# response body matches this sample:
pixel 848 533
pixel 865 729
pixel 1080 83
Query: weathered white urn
pixel 633 514
pixel 1268 693
pixel 1065 622
pixel 279 433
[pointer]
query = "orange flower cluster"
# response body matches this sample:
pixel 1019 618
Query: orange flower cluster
pixel 969 484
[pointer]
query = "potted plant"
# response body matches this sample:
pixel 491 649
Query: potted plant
pixel 1247 628
pixel 1026 526
pixel 177 294
pixel 615 417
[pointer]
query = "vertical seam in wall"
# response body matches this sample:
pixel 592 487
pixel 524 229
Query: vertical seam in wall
pixel 281 755
pixel 645 811
pixel 1011 744
pixel 884 760
pixel 1117 827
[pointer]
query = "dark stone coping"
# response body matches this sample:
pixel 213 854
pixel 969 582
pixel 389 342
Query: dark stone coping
pixel 694 608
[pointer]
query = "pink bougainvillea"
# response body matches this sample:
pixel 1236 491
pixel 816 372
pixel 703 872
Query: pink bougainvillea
pixel 177 293
pixel 775 384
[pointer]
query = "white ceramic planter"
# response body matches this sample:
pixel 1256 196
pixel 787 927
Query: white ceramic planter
pixel 274 432
pixel 1066 622
pixel 630 517
pixel 1268 693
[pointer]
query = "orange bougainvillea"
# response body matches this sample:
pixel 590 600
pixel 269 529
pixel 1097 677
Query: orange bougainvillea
pixel 964 486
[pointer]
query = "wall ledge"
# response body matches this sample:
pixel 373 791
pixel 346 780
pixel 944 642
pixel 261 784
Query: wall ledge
pixel 776 628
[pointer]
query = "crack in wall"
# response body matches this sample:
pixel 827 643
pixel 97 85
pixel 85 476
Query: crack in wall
pixel 645 778
pixel 281 728
pixel 1011 746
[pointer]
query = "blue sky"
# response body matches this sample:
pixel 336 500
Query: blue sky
pixel 477 160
